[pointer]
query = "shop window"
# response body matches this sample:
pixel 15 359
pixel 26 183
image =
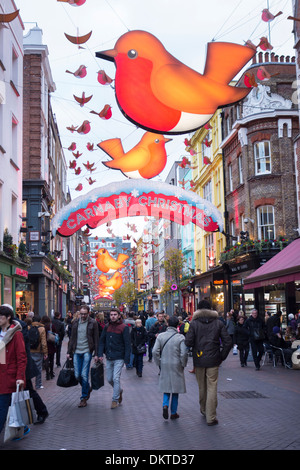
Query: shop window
pixel 266 222
pixel 262 155
pixel 7 296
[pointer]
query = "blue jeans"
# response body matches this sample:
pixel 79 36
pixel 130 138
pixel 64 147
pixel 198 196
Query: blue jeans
pixel 5 400
pixel 139 362
pixel 174 401
pixel 113 373
pixel 82 368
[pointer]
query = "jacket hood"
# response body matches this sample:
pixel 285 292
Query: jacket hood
pixel 205 315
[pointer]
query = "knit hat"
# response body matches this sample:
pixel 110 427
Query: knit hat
pixel 291 316
pixel 276 329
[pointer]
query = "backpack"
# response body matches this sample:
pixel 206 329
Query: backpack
pixel 34 337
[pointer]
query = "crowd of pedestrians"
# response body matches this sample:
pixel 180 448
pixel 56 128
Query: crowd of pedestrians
pixel 27 348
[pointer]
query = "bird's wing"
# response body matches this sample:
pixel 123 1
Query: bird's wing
pixel 224 60
pixel 182 88
pixel 113 148
pixel 135 159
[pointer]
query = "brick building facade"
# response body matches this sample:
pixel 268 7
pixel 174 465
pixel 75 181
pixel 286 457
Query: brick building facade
pixel 259 168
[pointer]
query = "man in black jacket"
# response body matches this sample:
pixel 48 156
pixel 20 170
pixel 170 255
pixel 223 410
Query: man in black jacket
pixel 256 328
pixel 60 330
pixel 210 343
pixel 115 343
pixel 83 342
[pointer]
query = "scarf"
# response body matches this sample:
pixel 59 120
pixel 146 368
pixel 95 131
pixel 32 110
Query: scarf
pixel 7 338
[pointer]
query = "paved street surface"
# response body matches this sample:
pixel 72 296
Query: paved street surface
pixel 267 417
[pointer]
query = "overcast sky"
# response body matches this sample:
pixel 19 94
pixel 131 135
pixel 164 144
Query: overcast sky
pixel 184 27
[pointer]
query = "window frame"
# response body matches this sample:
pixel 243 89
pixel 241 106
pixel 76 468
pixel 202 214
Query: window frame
pixel 261 157
pixel 262 229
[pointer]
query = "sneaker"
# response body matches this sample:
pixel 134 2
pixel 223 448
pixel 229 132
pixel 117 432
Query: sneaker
pixel 26 431
pixel 165 412
pixel 120 397
pixel 114 404
pixel 175 416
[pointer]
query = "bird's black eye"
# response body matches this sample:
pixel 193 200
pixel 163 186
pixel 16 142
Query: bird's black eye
pixel 156 141
pixel 132 54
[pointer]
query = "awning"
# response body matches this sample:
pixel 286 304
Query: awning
pixel 283 267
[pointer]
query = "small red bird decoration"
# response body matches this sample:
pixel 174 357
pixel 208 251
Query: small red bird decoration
pixel 89 166
pixel 79 187
pixel 103 78
pixel 105 113
pixel 81 72
pixel 90 181
pixel 90 147
pixel 267 15
pixel 184 162
pixel 84 128
pixel 263 74
pixel 74 3
pixel 207 143
pixel 77 154
pixel 206 161
pixel 79 39
pixel 8 17
pixel 78 171
pixel 83 99
pixel 264 44
pixel 72 165
pixel 72 128
pixel 72 146
pixel 249 80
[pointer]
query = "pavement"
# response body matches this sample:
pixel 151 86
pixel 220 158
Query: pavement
pixel 257 410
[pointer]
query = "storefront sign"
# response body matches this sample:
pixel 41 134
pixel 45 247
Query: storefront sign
pixel 21 272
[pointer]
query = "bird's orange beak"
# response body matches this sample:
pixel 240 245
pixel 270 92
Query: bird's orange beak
pixel 107 55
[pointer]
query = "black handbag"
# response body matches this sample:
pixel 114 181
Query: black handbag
pixel 66 377
pixel 141 349
pixel 97 375
pixel 258 334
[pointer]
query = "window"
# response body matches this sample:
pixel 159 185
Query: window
pixel 232 232
pixel 262 155
pixel 209 251
pixel 240 167
pixel 266 222
pixel 207 191
pixel 230 177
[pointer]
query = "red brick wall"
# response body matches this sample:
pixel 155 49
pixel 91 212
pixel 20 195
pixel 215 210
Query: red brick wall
pixel 32 124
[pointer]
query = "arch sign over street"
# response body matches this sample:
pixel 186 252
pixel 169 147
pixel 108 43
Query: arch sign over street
pixel 144 198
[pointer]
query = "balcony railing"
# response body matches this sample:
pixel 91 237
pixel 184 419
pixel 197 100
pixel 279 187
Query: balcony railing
pixel 253 246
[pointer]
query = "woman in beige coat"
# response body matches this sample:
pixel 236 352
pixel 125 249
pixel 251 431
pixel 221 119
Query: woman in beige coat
pixel 171 355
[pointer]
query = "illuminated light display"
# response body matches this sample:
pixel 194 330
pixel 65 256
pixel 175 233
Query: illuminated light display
pixel 146 159
pixel 175 98
pixel 147 198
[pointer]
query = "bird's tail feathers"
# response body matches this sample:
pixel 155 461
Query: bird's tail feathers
pixel 113 148
pixel 122 257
